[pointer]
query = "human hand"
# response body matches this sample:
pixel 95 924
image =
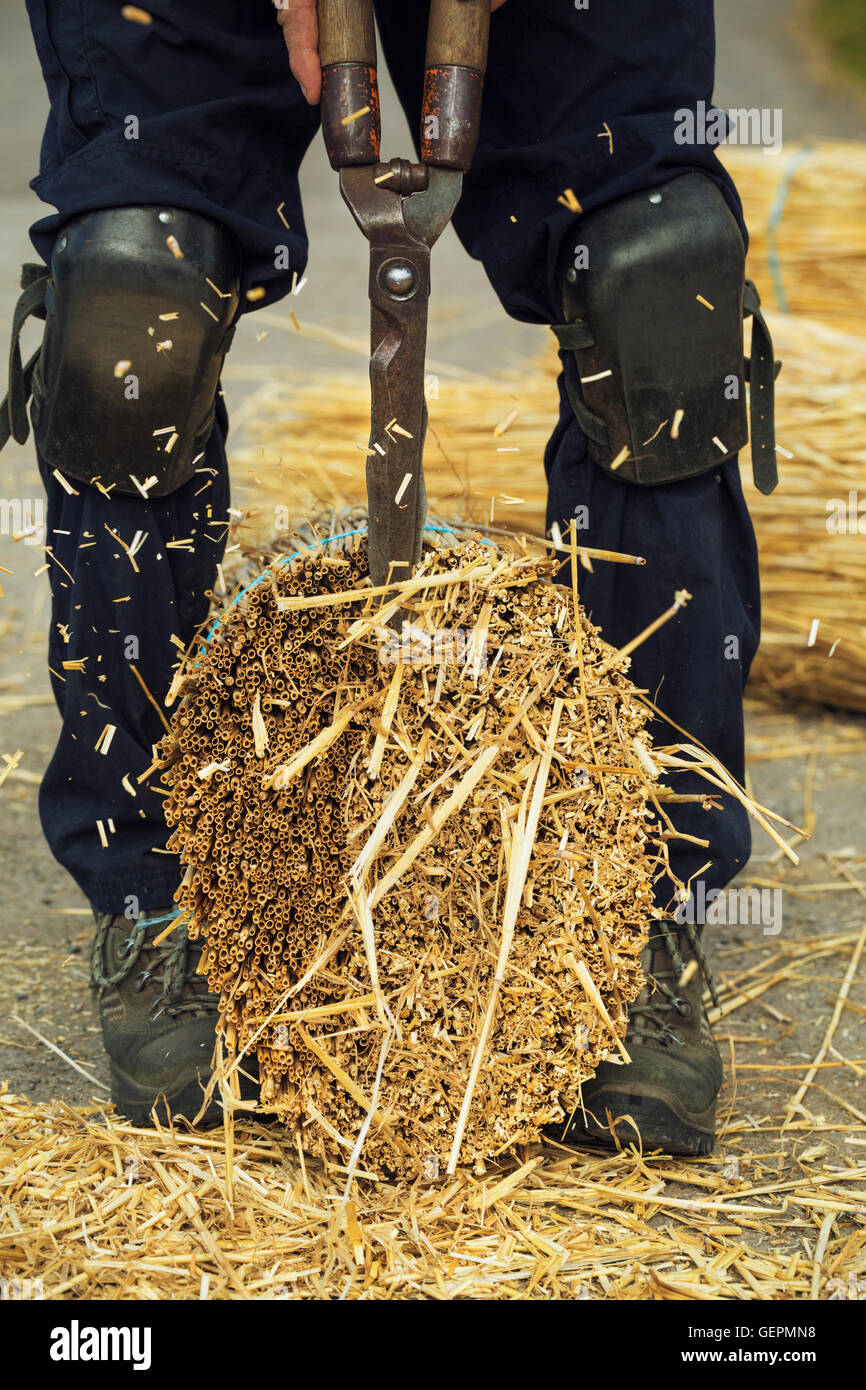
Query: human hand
pixel 299 22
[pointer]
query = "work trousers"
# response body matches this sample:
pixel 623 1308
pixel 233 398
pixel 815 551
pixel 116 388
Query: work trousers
pixel 576 97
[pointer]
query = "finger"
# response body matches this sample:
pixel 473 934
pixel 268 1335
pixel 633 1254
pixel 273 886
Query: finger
pixel 301 31
pixel 495 4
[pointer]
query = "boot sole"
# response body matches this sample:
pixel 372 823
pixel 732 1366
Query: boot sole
pixel 660 1120
pixel 182 1099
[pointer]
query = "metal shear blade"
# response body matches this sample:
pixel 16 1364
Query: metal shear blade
pixel 401 227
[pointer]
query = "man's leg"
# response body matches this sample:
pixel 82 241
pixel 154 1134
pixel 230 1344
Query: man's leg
pixel 585 99
pixel 557 75
pixel 120 623
pixel 171 154
pixel 198 111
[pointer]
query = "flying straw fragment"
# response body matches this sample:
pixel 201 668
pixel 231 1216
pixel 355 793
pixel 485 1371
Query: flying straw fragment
pixel 55 473
pixel 599 376
pixel 11 760
pixel 620 458
pixel 143 487
pixel 654 436
pixel 505 424
pixel 606 134
pixel 103 743
pixel 570 201
pixel 688 974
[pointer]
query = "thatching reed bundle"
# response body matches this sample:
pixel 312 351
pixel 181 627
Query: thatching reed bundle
pixel 812 554
pixel 421 860
pixel 806 212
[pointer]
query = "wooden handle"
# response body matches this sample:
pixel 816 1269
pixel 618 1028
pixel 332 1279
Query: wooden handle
pixel 457 34
pixel 350 94
pixel 454 81
pixel 347 33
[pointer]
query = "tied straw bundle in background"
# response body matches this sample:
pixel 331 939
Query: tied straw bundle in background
pixel 806 212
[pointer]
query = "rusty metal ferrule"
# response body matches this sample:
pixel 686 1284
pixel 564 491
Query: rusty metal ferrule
pixel 451 116
pixel 351 122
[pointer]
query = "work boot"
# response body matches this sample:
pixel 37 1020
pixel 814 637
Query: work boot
pixel 670 1087
pixel 158 1018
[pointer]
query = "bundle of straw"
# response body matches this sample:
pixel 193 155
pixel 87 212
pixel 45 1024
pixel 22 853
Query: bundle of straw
pixel 421 860
pixel 806 213
pixel 423 875
pixel 484 463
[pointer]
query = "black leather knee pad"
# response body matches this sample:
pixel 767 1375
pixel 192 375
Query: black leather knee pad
pixel 140 309
pixel 654 294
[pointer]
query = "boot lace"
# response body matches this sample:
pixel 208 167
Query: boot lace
pixel 653 1017
pixel 172 966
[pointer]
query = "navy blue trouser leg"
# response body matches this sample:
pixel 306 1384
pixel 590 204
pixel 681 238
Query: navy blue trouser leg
pixel 196 110
pixel 111 616
pixel 556 77
pixel 586 100
pixel 695 535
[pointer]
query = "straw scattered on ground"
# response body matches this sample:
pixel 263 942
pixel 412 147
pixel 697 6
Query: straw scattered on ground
pixel 97 1209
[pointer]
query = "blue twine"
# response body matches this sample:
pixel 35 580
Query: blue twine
pixel 774 221
pixel 326 540
pixel 157 921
